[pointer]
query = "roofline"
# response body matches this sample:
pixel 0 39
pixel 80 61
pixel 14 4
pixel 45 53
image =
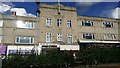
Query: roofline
pixel 54 6
pixel 17 16
pixel 99 17
pixel 76 9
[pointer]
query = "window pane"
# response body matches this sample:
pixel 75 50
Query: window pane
pixel 88 36
pixel 22 24
pixel 59 37
pixel 87 23
pixel 48 22
pixel 69 24
pixel 82 23
pixel 24 39
pixel 1 23
pixel 69 38
pixel 108 24
pixel 110 37
pixel 59 22
pixel 48 37
pixel 83 35
pixel 17 40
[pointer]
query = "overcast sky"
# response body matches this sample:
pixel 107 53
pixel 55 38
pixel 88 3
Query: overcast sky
pixel 99 8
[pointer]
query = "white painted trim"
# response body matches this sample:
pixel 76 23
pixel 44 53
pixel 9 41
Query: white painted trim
pixel 70 47
pixel 94 41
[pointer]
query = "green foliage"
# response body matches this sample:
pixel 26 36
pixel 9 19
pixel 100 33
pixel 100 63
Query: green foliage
pixel 57 58
pixel 101 55
pixel 52 58
pixel 15 62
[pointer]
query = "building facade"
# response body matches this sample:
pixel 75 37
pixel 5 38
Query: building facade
pixel 66 27
pixel 58 28
pixel 98 29
pixel 18 31
pixel 58 24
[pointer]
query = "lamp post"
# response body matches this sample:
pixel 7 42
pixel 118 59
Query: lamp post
pixel 38 15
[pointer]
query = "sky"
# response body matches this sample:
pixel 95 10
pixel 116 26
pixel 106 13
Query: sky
pixel 97 8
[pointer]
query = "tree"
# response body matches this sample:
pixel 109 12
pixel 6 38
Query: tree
pixel 101 55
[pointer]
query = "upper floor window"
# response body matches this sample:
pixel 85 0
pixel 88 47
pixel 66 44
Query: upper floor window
pixel 59 37
pixel 48 22
pixel 110 37
pixel 69 38
pixel 59 22
pixel 26 40
pixel 27 24
pixel 1 23
pixel 69 24
pixel 87 23
pixel 107 24
pixel 88 36
pixel 48 37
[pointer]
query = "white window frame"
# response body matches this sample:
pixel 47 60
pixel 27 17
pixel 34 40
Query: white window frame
pixel 80 23
pixel 85 22
pixel 31 25
pixel 110 37
pixel 1 23
pixel 31 40
pixel 69 23
pixel 69 38
pixel 48 22
pixel 88 34
pixel 48 37
pixel 107 23
pixel 59 37
pixel 59 22
pixel 25 24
